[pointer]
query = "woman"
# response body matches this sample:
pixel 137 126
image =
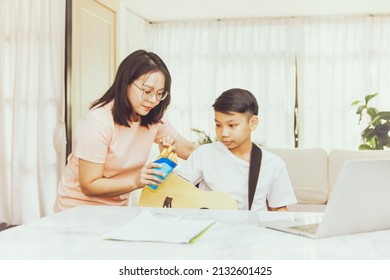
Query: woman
pixel 113 140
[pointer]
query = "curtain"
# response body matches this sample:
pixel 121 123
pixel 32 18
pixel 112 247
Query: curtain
pixel 136 33
pixel 208 57
pixel 340 60
pixel 336 61
pixel 32 130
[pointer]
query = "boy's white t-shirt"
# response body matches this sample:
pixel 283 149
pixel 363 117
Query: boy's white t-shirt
pixel 215 168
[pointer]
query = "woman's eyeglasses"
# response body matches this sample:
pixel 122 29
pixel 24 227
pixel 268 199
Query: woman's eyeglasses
pixel 147 96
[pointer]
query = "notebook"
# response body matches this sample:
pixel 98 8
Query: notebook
pixel 359 202
pixel 146 227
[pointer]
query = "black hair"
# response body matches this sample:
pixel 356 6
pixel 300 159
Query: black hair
pixel 131 68
pixel 236 100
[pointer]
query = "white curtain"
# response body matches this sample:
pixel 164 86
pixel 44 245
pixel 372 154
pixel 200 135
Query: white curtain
pixel 136 33
pixel 339 60
pixel 32 131
pixel 208 57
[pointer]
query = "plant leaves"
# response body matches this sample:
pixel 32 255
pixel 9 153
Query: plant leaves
pixel 369 97
pixel 372 112
pixel 377 134
pixel 355 103
pixel 385 115
pixel 376 121
pixel 382 131
pixel 360 109
pixel 365 147
pixel 204 138
pixel 368 133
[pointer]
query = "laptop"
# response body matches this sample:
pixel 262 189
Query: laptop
pixel 359 202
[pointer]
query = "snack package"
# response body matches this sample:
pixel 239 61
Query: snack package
pixel 168 160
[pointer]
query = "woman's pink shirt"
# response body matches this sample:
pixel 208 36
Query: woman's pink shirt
pixel 122 150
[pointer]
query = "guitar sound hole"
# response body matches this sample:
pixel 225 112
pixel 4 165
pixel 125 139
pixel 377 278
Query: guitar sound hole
pixel 168 202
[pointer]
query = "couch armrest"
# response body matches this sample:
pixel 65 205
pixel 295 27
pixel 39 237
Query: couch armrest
pixel 308 171
pixel 337 158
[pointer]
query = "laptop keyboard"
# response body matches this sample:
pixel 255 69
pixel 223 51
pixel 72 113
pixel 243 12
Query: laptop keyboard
pixel 310 228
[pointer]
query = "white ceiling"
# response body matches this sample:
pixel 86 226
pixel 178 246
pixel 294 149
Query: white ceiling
pixel 174 10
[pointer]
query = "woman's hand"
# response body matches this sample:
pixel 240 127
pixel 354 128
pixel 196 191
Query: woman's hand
pixel 182 147
pixel 166 141
pixel 93 182
pixel 147 175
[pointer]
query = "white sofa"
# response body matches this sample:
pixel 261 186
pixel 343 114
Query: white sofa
pixel 313 173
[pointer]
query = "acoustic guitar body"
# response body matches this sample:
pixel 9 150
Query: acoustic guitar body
pixel 176 192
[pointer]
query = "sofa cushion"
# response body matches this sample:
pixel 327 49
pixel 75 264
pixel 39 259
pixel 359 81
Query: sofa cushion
pixel 308 171
pixel 337 158
pixel 304 207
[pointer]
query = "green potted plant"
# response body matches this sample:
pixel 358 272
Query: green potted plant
pixel 376 135
pixel 204 138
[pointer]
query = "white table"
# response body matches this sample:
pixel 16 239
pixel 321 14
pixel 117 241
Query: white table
pixel 77 234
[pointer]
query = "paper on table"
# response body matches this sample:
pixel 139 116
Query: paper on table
pixel 146 227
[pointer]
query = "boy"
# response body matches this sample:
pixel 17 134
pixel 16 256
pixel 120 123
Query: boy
pixel 224 165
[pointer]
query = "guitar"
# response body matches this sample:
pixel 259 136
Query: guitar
pixel 176 192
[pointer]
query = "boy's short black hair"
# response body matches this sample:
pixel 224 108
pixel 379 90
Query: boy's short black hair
pixel 236 100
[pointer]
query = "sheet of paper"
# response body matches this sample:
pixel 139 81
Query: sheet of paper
pixel 146 227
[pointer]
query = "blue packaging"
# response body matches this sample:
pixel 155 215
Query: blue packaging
pixel 166 168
